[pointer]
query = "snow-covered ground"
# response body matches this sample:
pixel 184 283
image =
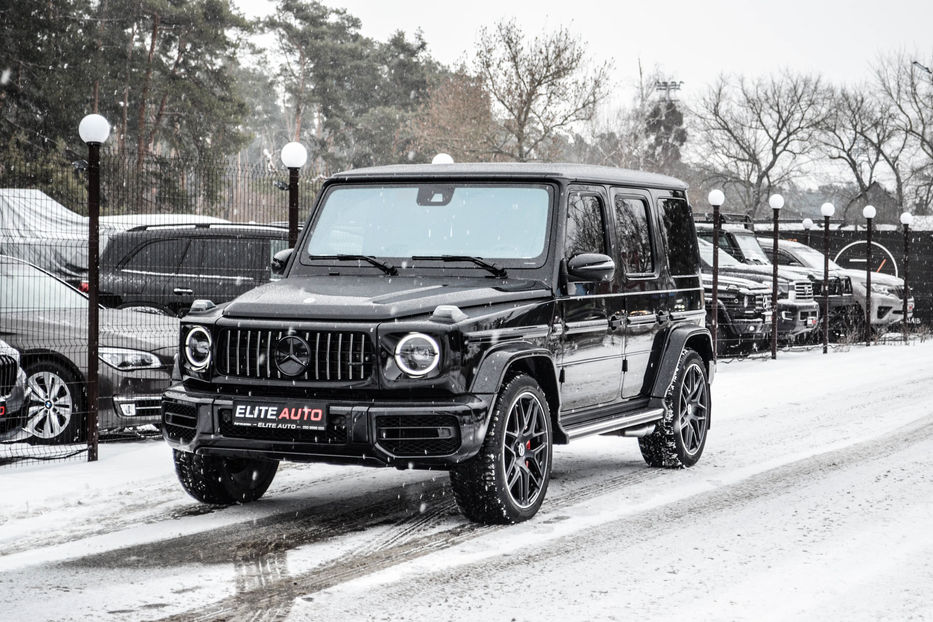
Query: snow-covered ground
pixel 814 500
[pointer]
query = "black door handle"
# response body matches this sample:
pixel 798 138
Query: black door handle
pixel 664 317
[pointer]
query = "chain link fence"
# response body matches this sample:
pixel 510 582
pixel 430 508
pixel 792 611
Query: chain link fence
pixel 170 232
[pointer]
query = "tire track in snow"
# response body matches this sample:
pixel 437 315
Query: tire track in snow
pixel 277 596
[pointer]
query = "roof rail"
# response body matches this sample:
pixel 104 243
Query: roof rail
pixel 208 225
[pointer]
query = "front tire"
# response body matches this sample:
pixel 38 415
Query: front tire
pixel 506 481
pixel 680 437
pixel 56 406
pixel 223 481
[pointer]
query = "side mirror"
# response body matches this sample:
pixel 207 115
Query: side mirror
pixel 280 260
pixel 593 267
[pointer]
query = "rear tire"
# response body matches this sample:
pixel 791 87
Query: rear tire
pixel 680 437
pixel 506 481
pixel 223 481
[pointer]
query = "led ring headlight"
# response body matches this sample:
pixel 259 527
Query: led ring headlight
pixel 417 354
pixel 198 348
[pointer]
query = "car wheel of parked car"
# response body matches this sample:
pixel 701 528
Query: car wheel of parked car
pixel 507 480
pixel 680 437
pixel 55 413
pixel 223 481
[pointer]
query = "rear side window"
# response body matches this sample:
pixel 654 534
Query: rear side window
pixel 229 257
pixel 159 257
pixel 633 234
pixel 586 228
pixel 680 237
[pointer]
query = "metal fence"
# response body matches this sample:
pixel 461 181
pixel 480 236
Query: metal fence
pixel 173 231
pixel 170 231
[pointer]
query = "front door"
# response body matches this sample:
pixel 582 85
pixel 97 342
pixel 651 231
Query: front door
pixel 591 352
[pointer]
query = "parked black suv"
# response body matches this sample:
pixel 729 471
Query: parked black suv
pixel 459 317
pixel 166 267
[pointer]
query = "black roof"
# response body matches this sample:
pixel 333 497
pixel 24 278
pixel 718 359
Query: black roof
pixel 526 170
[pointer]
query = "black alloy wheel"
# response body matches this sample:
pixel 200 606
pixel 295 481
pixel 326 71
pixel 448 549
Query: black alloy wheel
pixel 680 437
pixel 507 480
pixel 526 458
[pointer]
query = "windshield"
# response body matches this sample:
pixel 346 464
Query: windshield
pixel 812 258
pixel 706 256
pixel 506 223
pixel 752 249
pixel 25 288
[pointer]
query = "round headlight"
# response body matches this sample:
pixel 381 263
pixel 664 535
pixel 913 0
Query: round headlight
pixel 198 348
pixel 417 354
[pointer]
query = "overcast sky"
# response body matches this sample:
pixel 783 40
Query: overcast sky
pixel 688 40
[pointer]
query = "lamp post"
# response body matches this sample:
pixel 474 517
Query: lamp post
pixel 776 202
pixel 869 213
pixel 716 198
pixel 294 155
pixel 94 130
pixel 906 219
pixel 827 210
pixel 807 225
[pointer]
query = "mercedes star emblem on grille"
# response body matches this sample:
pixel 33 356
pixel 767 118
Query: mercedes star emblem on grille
pixel 292 355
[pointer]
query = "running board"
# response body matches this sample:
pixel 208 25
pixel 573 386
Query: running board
pixel 611 425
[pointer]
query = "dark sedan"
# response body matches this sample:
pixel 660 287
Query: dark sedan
pixel 45 319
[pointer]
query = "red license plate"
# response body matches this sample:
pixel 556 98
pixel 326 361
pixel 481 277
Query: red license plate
pixel 288 416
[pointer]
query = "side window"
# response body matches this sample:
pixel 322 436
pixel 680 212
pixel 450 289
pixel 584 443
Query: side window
pixel 785 259
pixel 160 257
pixel 586 227
pixel 231 257
pixel 633 234
pixel 679 236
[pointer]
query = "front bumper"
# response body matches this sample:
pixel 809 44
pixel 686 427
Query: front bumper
pixel 131 398
pixel 406 434
pixel 796 318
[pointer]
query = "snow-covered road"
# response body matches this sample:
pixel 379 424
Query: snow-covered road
pixel 814 500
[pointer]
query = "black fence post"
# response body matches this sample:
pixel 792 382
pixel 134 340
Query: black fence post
pixel 94 130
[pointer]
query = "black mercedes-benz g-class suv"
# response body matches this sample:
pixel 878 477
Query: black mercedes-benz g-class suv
pixel 461 317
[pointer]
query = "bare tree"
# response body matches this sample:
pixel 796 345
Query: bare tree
pixel 756 136
pixel 540 86
pixel 861 133
pixel 907 87
pixel 457 119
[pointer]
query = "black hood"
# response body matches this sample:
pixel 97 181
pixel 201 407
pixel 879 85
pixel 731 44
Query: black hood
pixel 376 298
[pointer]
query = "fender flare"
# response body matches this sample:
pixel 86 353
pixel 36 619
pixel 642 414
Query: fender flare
pixel 678 338
pixel 538 362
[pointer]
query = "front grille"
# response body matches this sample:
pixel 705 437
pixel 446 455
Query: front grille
pixel 335 356
pixel 803 290
pixel 335 434
pixel 8 369
pixel 835 287
pixel 180 420
pixel 418 435
pixel 898 292
pixel 148 407
pixel 759 303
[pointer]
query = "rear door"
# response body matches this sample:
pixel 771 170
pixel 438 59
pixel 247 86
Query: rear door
pixel 645 303
pixel 220 269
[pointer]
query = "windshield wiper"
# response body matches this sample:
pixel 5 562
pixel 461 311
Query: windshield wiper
pixel 385 267
pixel 496 271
